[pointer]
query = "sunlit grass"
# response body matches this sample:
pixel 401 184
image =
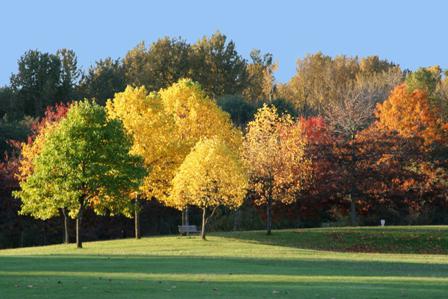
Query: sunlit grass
pixel 289 264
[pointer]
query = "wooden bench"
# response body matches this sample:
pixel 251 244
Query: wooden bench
pixel 188 229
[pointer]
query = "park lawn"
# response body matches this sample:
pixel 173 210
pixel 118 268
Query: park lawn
pixel 306 263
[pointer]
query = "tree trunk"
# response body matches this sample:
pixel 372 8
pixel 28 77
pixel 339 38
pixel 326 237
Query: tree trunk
pixel 353 187
pixel 269 216
pixel 299 220
pixel 44 230
pixel 204 219
pixel 185 219
pixel 66 237
pixel 137 219
pixel 78 228
pixel 353 214
pixel 237 220
pixel 182 218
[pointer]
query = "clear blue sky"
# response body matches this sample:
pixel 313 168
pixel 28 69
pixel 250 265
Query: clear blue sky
pixel 410 33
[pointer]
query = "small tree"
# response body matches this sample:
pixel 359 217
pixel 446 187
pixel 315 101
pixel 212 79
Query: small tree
pixel 84 161
pixel 274 151
pixel 212 175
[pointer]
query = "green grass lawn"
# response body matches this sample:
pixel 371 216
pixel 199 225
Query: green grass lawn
pixel 398 262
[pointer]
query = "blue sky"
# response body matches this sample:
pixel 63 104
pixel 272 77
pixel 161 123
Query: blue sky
pixel 410 33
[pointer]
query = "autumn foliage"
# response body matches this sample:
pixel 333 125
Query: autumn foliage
pixel 410 114
pixel 32 147
pixel 212 175
pixel 388 163
pixel 274 150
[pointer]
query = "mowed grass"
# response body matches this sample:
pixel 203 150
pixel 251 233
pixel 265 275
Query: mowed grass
pixel 400 262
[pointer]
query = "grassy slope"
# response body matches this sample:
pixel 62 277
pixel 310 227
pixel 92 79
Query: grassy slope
pixel 237 265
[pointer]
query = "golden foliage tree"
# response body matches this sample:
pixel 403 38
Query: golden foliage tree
pixel 152 129
pixel 153 133
pixel 165 127
pixel 274 150
pixel 212 175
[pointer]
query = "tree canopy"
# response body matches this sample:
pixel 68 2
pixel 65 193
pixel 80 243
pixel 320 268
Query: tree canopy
pixel 274 149
pixel 211 175
pixel 84 161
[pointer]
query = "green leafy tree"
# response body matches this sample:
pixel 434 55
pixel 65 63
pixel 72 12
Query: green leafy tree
pixel 432 81
pixel 162 64
pixel 42 80
pixel 8 105
pixel 240 110
pixel 13 130
pixel 284 106
pixel 218 67
pixel 425 79
pixel 84 162
pixel 36 84
pixel 103 80
pixel 69 76
pixel 212 62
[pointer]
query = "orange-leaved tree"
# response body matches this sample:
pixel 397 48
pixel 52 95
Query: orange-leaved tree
pixel 274 150
pixel 410 114
pixel 420 114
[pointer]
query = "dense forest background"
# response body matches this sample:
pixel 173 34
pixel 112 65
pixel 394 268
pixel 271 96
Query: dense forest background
pixel 336 98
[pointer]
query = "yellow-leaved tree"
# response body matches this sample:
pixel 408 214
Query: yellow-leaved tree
pixel 197 116
pixel 165 126
pixel 211 175
pixel 154 138
pixel 274 150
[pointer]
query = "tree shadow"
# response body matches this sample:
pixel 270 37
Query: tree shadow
pixel 374 240
pixel 113 276
pixel 218 265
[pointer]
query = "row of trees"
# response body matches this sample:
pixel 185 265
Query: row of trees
pixel 191 154
pixel 345 135
pixel 44 79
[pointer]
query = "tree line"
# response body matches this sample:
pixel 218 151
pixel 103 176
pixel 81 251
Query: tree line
pixel 347 140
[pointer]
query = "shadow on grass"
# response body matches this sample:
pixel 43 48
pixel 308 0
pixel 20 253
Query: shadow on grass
pixel 99 288
pixel 218 265
pixel 374 240
pixel 96 277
